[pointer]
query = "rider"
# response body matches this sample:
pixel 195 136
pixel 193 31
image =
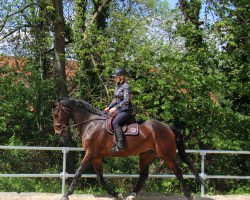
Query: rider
pixel 121 106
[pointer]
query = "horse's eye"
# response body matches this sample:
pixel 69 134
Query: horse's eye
pixel 55 113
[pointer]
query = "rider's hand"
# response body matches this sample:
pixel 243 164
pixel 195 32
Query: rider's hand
pixel 112 110
pixel 106 109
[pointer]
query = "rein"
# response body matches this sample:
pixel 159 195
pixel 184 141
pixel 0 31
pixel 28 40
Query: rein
pixel 64 127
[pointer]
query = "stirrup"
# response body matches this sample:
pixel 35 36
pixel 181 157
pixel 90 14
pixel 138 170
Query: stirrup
pixel 116 149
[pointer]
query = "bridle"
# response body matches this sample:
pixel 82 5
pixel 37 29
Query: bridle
pixel 65 127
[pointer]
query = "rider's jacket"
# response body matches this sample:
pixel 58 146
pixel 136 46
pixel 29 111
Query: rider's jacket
pixel 122 97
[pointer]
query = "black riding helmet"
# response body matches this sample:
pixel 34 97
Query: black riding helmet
pixel 119 72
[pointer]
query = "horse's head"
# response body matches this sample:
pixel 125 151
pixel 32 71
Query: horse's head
pixel 61 117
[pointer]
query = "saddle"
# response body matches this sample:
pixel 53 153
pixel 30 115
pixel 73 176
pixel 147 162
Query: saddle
pixel 129 128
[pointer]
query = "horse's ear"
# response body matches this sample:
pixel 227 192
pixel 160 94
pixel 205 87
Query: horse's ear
pixel 54 104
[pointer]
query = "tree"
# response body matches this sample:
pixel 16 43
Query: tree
pixel 175 63
pixel 89 26
pixel 232 29
pixel 191 28
pixel 59 49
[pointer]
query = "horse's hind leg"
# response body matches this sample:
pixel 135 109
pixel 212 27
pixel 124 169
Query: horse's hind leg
pixel 145 159
pixel 178 173
pixel 97 163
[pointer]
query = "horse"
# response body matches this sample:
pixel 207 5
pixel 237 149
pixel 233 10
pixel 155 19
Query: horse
pixel 155 139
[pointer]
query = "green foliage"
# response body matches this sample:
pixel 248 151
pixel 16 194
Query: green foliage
pixel 30 185
pixel 195 76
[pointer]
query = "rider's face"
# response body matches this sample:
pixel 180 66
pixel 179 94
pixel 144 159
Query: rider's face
pixel 117 79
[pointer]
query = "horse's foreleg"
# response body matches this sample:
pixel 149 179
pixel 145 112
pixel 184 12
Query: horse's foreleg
pixel 145 159
pixel 97 163
pixel 86 162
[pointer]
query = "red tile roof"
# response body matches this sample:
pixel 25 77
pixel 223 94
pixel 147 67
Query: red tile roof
pixel 18 63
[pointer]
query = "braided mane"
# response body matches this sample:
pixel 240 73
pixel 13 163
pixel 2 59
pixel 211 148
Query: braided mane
pixel 82 104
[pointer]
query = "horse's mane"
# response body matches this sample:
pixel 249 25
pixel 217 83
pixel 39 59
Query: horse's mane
pixel 82 104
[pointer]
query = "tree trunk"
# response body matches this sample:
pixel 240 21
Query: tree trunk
pixel 101 8
pixel 59 50
pixel 60 75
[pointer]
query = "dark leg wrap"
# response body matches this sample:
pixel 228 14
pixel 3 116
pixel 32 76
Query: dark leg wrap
pixel 78 174
pixel 103 183
pixel 142 178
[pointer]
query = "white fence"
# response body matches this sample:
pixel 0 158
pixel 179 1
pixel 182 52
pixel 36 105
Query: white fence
pixel 64 175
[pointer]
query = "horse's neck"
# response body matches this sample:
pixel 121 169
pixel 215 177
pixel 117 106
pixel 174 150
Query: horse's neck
pixel 82 118
pixel 80 115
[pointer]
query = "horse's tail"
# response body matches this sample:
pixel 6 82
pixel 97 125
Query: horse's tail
pixel 182 154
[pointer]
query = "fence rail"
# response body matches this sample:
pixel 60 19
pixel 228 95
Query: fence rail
pixel 64 175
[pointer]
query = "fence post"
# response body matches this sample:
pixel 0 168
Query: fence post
pixel 203 175
pixel 64 174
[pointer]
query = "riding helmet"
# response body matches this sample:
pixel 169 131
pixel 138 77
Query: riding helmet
pixel 119 72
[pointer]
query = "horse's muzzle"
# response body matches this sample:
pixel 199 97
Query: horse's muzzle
pixel 57 132
pixel 59 129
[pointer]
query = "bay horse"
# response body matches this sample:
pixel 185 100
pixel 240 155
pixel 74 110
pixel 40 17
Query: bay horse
pixel 155 139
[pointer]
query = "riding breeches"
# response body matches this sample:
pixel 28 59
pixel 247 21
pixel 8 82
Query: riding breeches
pixel 121 117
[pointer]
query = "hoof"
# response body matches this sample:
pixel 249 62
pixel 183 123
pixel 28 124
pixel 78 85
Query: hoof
pixel 120 196
pixel 65 198
pixel 132 196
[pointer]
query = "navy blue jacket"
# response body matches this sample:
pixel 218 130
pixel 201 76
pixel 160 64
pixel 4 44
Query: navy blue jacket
pixel 122 97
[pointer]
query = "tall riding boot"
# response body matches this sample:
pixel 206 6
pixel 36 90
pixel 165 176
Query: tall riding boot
pixel 119 138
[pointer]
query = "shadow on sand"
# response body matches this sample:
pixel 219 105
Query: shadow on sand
pixel 150 196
